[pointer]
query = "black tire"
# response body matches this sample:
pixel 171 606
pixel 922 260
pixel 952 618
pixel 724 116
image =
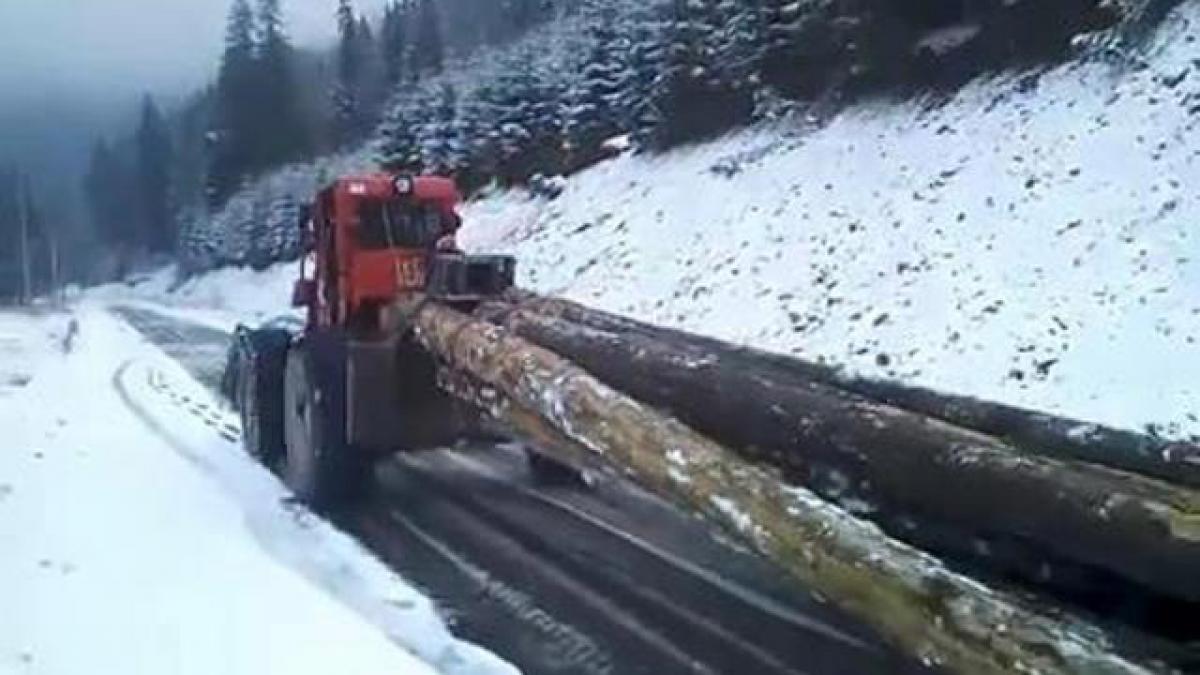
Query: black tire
pixel 320 467
pixel 551 472
pixel 259 392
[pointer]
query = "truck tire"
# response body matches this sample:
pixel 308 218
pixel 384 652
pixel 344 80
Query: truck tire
pixel 549 472
pixel 259 396
pixel 320 467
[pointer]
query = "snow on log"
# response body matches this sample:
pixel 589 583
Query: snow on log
pixel 908 596
pixel 1036 432
pixel 897 461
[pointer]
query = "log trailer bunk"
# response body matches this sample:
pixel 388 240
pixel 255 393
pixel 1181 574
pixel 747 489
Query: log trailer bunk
pixel 320 403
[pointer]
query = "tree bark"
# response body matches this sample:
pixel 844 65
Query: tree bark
pixel 909 597
pixel 898 462
pixel 1036 432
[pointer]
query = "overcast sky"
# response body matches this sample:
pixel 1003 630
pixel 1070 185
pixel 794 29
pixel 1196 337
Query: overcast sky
pixel 72 70
pixel 122 47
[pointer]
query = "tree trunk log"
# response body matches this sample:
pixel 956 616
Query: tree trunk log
pixel 1040 433
pixel 898 462
pixel 908 596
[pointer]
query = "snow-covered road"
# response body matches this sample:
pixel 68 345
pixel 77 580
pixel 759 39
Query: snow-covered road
pixel 137 540
pixel 559 579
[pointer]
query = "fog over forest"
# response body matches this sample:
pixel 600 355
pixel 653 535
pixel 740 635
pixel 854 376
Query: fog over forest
pixel 73 69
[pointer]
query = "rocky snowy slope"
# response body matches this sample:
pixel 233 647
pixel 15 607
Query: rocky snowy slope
pixel 1033 239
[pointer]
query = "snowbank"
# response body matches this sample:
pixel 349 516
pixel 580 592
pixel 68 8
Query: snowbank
pixel 220 299
pixel 1032 240
pixel 137 537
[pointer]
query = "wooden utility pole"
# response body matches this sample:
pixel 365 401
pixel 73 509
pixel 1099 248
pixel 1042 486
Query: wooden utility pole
pixel 55 282
pixel 23 216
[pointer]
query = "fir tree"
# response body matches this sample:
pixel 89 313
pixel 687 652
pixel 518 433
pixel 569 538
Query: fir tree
pixel 398 147
pixel 10 231
pixel 698 94
pixel 360 89
pixel 394 41
pixel 349 66
pixel 154 180
pixel 442 138
pixel 522 119
pixel 347 105
pixel 521 15
pixel 280 132
pixel 794 47
pixel 371 84
pixel 190 156
pixel 100 187
pixel 646 56
pixel 593 113
pixel 29 231
pixel 235 111
pixel 429 48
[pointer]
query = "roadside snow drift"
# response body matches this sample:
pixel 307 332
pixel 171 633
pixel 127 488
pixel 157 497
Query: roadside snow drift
pixel 137 538
pixel 1032 240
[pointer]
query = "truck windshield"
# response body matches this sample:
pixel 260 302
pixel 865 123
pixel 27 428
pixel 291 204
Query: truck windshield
pixel 399 224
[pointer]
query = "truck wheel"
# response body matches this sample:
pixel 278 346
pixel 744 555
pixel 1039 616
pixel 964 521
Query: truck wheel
pixel 259 382
pixel 321 468
pixel 551 472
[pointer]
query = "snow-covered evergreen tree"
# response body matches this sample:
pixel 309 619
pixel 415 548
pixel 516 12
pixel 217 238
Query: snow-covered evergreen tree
pixel 349 104
pixel 645 25
pixel 198 243
pixel 233 137
pixel 525 109
pixel 398 148
pixel 702 88
pixel 593 105
pixel 429 45
pixel 394 39
pixel 442 137
pixel 795 41
pixel 736 42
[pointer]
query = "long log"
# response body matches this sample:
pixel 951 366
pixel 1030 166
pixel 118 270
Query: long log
pixel 938 616
pixel 1041 433
pixel 897 461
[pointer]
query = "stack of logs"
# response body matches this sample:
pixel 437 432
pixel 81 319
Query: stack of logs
pixel 850 485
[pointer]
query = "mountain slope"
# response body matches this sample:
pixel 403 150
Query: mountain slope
pixel 1030 240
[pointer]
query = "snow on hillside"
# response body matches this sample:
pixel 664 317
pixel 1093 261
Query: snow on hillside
pixel 1031 240
pixel 257 225
pixel 138 538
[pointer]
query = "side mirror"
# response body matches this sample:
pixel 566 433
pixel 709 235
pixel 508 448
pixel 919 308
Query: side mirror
pixel 304 293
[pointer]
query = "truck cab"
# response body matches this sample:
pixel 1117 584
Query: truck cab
pixel 371 238
pixel 376 238
pixel 354 383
